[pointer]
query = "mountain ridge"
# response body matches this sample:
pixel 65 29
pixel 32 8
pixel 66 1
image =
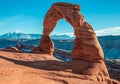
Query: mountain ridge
pixel 15 35
pixel 20 35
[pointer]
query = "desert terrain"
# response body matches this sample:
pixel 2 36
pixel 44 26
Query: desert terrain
pixel 28 68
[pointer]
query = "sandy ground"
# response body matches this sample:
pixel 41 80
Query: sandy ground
pixel 28 68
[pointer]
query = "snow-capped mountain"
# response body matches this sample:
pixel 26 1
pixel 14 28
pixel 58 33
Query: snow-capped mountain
pixel 110 44
pixel 15 35
pixel 18 36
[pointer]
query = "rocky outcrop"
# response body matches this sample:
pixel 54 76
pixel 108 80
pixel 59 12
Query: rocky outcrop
pixel 46 46
pixel 86 45
pixel 97 69
pixel 12 48
pixel 87 54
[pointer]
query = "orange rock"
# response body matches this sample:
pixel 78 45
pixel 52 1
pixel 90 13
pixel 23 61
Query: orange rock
pixel 12 48
pixel 46 45
pixel 36 50
pixel 97 69
pixel 86 45
pixel 87 54
pixel 29 68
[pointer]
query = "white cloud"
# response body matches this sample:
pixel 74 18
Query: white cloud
pixel 108 31
pixel 17 31
pixel 102 32
pixel 71 34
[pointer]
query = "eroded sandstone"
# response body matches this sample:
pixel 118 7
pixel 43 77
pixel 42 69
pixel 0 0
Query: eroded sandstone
pixel 86 45
pixel 87 54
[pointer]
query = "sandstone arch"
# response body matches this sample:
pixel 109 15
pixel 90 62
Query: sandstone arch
pixel 86 45
pixel 87 54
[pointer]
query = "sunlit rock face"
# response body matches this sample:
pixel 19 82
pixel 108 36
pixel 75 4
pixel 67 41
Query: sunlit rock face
pixel 46 44
pixel 86 45
pixel 87 54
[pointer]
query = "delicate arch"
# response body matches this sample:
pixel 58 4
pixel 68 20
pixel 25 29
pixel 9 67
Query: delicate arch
pixel 62 10
pixel 86 45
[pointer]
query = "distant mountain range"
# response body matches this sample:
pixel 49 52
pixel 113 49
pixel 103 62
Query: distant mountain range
pixel 110 44
pixel 15 35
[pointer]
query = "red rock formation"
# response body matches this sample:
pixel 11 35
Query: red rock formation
pixel 46 46
pixel 86 45
pixel 87 54
pixel 36 50
pixel 12 48
pixel 97 69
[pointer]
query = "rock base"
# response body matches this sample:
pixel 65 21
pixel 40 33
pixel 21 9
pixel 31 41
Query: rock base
pixel 97 69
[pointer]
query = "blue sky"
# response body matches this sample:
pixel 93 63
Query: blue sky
pixel 27 16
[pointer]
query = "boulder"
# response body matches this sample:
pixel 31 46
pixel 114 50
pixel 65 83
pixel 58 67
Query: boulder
pixel 97 69
pixel 12 48
pixel 46 46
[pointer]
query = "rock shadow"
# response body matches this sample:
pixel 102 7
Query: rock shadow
pixel 52 65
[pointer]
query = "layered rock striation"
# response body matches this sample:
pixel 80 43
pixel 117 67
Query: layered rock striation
pixel 87 54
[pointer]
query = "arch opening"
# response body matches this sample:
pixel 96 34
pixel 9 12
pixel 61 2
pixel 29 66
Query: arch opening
pixel 85 37
pixel 63 28
pixel 86 49
pixel 63 35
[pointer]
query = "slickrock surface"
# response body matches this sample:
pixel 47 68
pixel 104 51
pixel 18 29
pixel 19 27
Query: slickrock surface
pixel 28 68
